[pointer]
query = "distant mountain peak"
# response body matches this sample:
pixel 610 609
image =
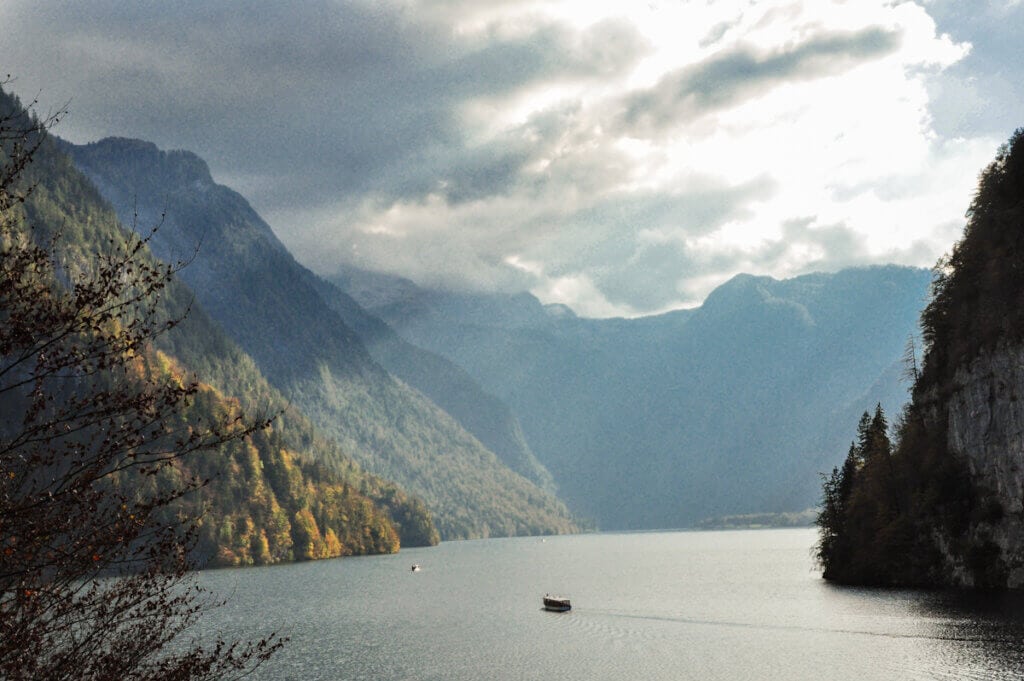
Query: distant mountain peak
pixel 177 165
pixel 742 291
pixel 559 311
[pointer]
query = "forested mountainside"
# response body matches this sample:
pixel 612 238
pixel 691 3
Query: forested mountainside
pixel 448 385
pixel 276 310
pixel 943 504
pixel 269 498
pixel 730 408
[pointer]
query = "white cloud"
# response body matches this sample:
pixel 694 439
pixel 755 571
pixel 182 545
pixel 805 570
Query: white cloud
pixel 844 136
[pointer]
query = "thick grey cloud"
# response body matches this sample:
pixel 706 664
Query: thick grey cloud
pixel 301 100
pixel 741 72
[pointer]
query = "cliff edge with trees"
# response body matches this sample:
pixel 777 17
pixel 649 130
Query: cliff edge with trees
pixel 943 504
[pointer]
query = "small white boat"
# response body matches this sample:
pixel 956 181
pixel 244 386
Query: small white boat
pixel 556 603
pixel 415 567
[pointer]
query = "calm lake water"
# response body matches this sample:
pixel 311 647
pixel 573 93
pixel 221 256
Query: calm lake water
pixel 660 605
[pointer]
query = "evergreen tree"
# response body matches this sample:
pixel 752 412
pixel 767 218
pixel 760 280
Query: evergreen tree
pixel 879 445
pixel 860 502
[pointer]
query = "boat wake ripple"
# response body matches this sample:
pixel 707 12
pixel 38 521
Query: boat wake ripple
pixel 588 618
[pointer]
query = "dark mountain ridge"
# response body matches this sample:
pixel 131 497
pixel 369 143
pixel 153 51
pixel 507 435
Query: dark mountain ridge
pixel 279 313
pixel 276 495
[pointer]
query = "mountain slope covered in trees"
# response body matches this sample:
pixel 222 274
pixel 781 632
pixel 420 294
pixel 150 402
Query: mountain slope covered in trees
pixel 268 499
pixel 96 438
pixel 944 504
pixel 276 310
pixel 730 408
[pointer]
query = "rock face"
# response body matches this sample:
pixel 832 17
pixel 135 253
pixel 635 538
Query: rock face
pixel 986 427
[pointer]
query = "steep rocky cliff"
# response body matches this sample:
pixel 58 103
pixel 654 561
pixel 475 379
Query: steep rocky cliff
pixel 985 426
pixel 975 372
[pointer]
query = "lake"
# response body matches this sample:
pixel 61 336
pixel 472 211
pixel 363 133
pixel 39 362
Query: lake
pixel 728 605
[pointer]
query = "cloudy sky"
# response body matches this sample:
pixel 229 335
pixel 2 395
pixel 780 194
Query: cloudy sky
pixel 620 157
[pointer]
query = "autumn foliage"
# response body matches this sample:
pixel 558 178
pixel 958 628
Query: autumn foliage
pixel 94 550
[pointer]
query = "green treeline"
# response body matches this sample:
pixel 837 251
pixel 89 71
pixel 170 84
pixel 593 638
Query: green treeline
pixel 905 512
pixel 285 493
pixel 471 494
pixel 979 290
pixel 883 509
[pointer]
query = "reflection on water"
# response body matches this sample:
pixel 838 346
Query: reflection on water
pixel 985 628
pixel 665 605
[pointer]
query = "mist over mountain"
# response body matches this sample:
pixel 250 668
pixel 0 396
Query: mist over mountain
pixel 278 312
pixel 733 407
pixel 446 384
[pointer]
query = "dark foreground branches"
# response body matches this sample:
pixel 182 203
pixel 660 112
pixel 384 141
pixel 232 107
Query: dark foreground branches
pixel 94 551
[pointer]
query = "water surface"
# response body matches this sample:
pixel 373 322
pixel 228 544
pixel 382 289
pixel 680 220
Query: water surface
pixel 729 605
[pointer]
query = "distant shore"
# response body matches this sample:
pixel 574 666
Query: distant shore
pixel 752 521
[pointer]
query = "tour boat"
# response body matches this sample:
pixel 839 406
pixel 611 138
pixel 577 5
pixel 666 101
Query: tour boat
pixel 415 567
pixel 556 603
